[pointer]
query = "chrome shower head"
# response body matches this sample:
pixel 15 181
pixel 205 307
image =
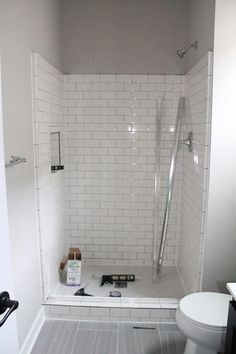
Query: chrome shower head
pixel 181 52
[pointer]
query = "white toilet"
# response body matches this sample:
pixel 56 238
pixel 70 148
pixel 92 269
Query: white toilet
pixel 202 317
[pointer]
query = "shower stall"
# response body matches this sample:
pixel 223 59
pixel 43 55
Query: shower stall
pixel 116 135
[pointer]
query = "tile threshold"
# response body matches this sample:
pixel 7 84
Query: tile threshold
pixel 149 303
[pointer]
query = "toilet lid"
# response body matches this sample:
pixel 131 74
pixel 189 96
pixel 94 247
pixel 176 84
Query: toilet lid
pixel 206 308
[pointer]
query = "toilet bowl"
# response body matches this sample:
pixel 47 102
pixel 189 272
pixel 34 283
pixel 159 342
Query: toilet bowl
pixel 202 317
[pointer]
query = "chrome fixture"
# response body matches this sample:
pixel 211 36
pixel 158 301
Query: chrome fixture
pixel 189 142
pixel 15 160
pixel 181 52
pixel 157 188
pixel 171 182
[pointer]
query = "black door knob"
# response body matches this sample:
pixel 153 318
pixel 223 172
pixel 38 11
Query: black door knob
pixel 6 303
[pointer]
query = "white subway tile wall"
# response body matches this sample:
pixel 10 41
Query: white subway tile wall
pixel 47 87
pixel 108 125
pixel 110 169
pixel 195 172
pixel 110 314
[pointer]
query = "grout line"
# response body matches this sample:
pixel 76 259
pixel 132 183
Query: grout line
pixel 117 338
pixel 159 334
pixel 76 333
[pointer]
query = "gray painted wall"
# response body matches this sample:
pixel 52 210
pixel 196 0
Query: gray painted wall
pixel 125 36
pixel 134 36
pixel 200 27
pixel 24 26
pixel 220 246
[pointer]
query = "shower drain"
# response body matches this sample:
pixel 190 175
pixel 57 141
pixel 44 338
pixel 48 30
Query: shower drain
pixel 121 284
pixel 140 327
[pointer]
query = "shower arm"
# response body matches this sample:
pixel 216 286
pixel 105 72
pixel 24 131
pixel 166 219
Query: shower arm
pixel 181 52
pixel 192 45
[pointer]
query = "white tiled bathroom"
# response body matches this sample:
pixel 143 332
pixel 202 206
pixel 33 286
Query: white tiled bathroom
pixel 115 130
pixel 102 82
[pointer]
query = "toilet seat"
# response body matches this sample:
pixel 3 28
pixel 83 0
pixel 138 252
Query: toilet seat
pixel 200 326
pixel 208 310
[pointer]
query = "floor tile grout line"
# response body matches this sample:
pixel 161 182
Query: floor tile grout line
pixel 159 334
pixel 52 342
pixel 38 340
pixel 77 330
pixel 117 338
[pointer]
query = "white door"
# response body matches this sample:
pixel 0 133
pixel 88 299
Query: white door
pixel 8 332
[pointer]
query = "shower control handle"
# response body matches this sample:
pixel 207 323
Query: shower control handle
pixel 189 142
pixel 7 303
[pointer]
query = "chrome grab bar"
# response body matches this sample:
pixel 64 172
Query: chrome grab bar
pixel 171 182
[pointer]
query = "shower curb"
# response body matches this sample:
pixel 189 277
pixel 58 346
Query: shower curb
pixel 111 312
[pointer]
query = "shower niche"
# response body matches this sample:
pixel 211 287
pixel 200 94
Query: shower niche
pixel 55 150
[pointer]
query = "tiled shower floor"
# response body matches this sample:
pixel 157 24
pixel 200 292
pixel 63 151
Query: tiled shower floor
pixel 168 284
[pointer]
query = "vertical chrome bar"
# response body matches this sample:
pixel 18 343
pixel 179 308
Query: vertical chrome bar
pixel 157 183
pixel 171 182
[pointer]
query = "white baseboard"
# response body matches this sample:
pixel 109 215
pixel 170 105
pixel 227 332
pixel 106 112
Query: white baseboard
pixel 33 333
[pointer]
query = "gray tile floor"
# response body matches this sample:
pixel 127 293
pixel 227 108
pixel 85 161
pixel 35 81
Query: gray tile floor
pixel 71 337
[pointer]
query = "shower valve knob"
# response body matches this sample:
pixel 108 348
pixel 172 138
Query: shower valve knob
pixel 189 142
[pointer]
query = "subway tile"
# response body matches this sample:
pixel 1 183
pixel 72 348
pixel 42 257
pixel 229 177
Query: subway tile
pixel 112 153
pixel 91 78
pixel 79 311
pixel 59 310
pixel 108 78
pixel 81 86
pixel 144 313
